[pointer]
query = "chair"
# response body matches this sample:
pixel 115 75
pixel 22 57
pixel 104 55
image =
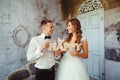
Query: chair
pixel 27 72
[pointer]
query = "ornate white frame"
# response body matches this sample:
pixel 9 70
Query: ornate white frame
pixel 16 40
pixel 89 5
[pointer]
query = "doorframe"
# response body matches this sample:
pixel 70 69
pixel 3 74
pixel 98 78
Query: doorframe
pixel 83 10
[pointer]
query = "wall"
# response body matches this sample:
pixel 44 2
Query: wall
pixel 112 44
pixel 112 70
pixel 19 21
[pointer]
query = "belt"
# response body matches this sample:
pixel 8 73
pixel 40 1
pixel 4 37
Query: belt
pixel 52 68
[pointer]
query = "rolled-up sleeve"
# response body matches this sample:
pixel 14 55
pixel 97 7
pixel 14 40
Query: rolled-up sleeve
pixel 33 52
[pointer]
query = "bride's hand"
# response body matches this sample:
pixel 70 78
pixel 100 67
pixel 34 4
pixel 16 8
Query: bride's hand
pixel 74 53
pixel 58 52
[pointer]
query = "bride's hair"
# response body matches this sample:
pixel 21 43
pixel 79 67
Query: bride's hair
pixel 77 26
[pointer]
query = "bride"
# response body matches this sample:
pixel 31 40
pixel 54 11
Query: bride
pixel 71 66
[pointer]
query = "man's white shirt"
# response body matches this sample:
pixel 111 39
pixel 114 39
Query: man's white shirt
pixel 45 59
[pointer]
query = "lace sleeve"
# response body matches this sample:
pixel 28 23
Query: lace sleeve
pixel 83 39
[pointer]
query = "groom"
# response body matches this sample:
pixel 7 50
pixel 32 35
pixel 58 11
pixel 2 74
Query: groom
pixel 38 51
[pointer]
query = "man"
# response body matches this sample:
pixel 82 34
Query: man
pixel 38 51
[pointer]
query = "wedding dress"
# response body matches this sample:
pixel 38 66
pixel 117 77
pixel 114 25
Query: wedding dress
pixel 71 68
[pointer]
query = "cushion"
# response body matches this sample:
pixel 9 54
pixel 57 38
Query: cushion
pixel 18 75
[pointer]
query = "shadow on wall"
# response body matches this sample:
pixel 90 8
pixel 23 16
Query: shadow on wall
pixel 111 54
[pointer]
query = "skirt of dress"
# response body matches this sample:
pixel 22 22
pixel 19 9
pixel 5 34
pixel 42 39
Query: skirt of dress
pixel 71 68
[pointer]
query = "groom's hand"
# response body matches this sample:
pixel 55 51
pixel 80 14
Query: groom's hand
pixel 45 45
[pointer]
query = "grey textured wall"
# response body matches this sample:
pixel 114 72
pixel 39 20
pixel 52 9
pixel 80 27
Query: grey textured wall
pixel 112 34
pixel 19 21
pixel 112 44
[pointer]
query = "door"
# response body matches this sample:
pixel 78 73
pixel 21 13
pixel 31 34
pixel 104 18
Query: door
pixel 93 29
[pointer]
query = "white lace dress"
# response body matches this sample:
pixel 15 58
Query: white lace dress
pixel 71 68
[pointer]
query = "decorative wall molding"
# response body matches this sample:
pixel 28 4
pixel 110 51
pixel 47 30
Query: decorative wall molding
pixel 21 36
pixel 89 5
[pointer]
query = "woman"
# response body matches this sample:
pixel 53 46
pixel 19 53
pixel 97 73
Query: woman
pixel 71 67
